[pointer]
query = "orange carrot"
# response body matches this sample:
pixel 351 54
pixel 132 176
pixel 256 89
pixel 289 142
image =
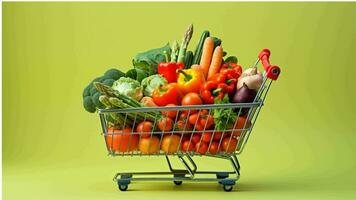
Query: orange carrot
pixel 197 67
pixel 207 53
pixel 215 62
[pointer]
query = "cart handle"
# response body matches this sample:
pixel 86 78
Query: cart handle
pixel 272 71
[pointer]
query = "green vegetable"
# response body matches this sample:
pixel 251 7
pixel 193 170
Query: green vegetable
pixel 199 48
pixel 188 59
pixel 129 87
pixel 174 51
pixel 88 104
pixel 183 47
pixel 90 91
pixel 146 63
pixel 217 42
pixel 151 83
pixel 114 74
pixel 224 118
pixel 231 59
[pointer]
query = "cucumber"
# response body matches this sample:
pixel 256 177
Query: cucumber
pixel 199 48
pixel 188 59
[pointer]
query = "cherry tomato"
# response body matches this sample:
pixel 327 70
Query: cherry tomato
pixel 201 147
pixel 207 121
pixel 187 146
pixel 214 147
pixel 217 136
pixel 170 113
pixel 206 137
pixel 228 145
pixel 191 99
pixel 165 124
pixel 145 128
pixel 121 140
pixel 149 145
pixel 196 138
pixel 240 124
pixel 170 143
pixel 194 119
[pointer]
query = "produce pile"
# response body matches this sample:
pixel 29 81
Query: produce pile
pixel 174 76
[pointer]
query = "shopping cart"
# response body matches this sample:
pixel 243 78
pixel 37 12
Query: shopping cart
pixel 230 142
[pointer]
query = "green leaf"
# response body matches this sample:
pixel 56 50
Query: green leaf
pixel 131 74
pixel 231 59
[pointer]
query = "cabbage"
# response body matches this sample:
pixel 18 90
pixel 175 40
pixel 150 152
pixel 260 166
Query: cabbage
pixel 129 87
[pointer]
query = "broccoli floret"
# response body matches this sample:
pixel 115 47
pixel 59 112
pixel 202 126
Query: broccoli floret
pixel 99 79
pixel 95 100
pixel 88 104
pixel 114 74
pixel 108 82
pixel 86 91
pixel 93 90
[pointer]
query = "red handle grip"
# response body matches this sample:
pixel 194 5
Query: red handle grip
pixel 272 71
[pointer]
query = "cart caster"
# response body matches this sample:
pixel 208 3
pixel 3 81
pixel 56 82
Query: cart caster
pixel 178 182
pixel 228 188
pixel 222 175
pixel 123 187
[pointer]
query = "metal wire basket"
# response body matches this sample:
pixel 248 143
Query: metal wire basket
pixel 186 139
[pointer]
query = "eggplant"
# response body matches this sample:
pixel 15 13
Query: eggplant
pixel 243 95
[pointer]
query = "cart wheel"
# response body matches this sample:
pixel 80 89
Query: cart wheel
pixel 123 187
pixel 178 182
pixel 228 188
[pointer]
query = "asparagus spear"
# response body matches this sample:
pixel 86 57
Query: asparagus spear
pixel 183 47
pixel 175 50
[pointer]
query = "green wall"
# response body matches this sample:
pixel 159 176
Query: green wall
pixel 303 145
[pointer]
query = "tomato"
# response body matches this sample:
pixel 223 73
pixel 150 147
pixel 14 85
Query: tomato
pixel 167 94
pixel 201 147
pixel 206 137
pixel 229 146
pixel 182 126
pixel 196 138
pixel 149 145
pixel 194 119
pixel 169 113
pixel 214 147
pixel 165 124
pixel 207 121
pixel 217 136
pixel 170 143
pixel 121 140
pixel 239 124
pixel 191 99
pixel 145 128
pixel 187 146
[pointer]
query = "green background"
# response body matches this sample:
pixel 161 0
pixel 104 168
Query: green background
pixel 303 145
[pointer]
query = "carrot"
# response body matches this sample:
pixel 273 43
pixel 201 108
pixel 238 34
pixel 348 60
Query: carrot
pixel 215 62
pixel 207 53
pixel 197 67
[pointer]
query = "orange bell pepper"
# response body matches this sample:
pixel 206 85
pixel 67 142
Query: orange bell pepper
pixel 190 80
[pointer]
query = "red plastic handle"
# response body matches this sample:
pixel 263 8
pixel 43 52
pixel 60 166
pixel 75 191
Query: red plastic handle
pixel 272 71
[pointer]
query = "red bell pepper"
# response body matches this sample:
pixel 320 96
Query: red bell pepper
pixel 169 70
pixel 167 94
pixel 232 68
pixel 211 90
pixel 227 77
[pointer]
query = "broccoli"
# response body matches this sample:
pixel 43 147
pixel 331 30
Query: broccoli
pixel 95 100
pixel 88 104
pixel 91 95
pixel 114 74
pixel 108 82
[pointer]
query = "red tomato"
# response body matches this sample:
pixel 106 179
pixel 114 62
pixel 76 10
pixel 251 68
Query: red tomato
pixel 229 146
pixel 165 124
pixel 144 128
pixel 121 140
pixel 196 138
pixel 206 137
pixel 170 113
pixel 191 99
pixel 214 147
pixel 182 126
pixel 187 146
pixel 201 147
pixel 194 119
pixel 170 143
pixel 240 124
pixel 217 136
pixel 149 145
pixel 207 121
